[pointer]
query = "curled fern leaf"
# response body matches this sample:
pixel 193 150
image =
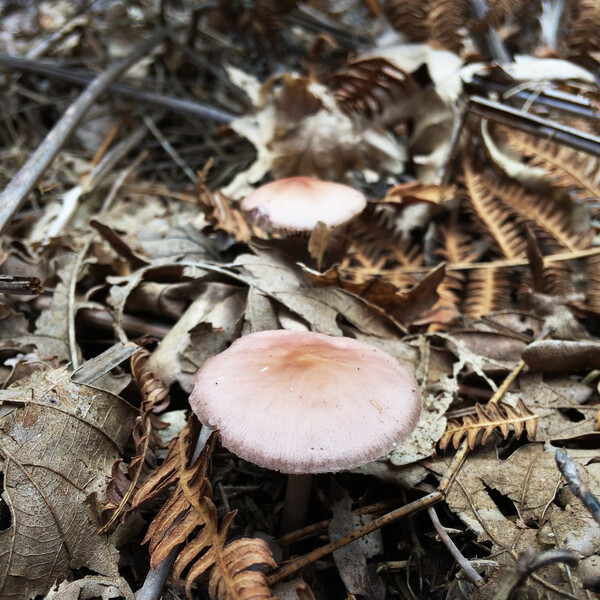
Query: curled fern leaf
pixel 486 420
pixel 232 579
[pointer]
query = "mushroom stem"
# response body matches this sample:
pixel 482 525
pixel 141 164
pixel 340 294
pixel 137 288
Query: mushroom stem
pixel 295 505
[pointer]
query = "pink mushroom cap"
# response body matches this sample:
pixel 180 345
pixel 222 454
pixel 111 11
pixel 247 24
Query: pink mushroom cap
pixel 302 402
pixel 299 203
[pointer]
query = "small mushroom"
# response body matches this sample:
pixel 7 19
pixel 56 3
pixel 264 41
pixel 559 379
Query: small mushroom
pixel 303 403
pixel 299 203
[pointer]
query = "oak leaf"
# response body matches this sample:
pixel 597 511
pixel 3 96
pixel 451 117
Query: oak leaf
pixel 58 440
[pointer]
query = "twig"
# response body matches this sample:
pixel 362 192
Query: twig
pixel 470 573
pixel 307 559
pixel 524 121
pixel 528 562
pixel 176 105
pixel 322 526
pixel 168 148
pixel 155 579
pixel 578 106
pixel 569 471
pixel 22 184
pixel 10 284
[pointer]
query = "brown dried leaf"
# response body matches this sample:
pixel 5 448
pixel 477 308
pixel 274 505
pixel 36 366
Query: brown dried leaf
pixel 486 290
pixel 189 507
pixel 417 191
pixel 554 218
pixel 189 517
pixel 204 329
pixel 409 17
pixel 283 281
pixel 486 420
pixel 547 513
pixel 58 442
pixel 299 129
pixel 446 19
pixel 223 214
pixel 581 27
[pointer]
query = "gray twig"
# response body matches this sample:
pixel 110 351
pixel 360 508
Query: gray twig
pixel 568 469
pixel 22 184
pixel 470 573
pixel 177 105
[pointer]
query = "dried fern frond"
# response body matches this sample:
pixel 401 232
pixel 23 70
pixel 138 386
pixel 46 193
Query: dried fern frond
pixel 446 18
pixel 493 214
pixel 190 508
pixel 499 10
pixel 544 211
pixel 486 420
pixel 557 280
pixel 592 283
pixel 567 168
pixel 367 86
pixel 155 398
pixel 409 17
pixel 377 250
pixel 455 247
pixel 231 577
pixel 270 13
pixel 486 290
pixel 581 27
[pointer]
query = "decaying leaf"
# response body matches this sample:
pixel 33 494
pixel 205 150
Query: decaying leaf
pixel 521 502
pixel 58 442
pixel 298 129
pixel 90 588
pixel 204 329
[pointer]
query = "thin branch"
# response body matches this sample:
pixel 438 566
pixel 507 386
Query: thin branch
pixel 177 105
pixel 569 471
pixel 470 573
pixel 17 191
pixel 538 126
pixel 307 559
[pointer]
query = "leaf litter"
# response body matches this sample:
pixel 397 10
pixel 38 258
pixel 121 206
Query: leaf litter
pixel 476 146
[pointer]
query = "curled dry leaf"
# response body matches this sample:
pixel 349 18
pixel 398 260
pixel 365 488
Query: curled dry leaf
pixel 58 442
pixel 91 588
pixel 299 129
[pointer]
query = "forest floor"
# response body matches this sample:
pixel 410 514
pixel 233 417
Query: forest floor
pixel 130 134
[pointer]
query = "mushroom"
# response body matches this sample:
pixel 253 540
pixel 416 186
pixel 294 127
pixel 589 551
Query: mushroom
pixel 299 203
pixel 302 403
